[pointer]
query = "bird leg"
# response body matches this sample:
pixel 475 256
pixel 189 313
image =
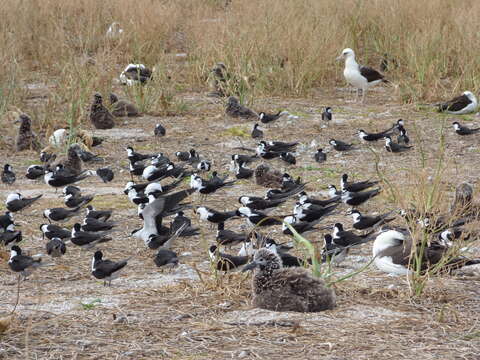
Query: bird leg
pixel 364 93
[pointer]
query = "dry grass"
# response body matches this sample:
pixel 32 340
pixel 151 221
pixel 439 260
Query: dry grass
pixel 278 47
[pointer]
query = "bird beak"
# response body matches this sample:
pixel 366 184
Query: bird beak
pixel 250 266
pixel 339 58
pixel 17 121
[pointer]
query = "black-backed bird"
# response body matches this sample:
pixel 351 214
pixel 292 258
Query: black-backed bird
pixel 392 147
pixel 10 235
pixel 213 216
pixel 60 214
pixel 327 114
pixel 288 157
pixel 51 231
pixel 362 222
pixel 464 104
pixel 225 262
pixel 360 77
pixel 333 253
pixel 8 176
pixel 256 132
pixel 94 225
pixel 304 199
pixel 57 180
pixel 87 239
pixel 159 130
pixel 6 220
pixel 258 203
pixel 106 270
pixel 347 238
pixel 461 130
pixel 355 186
pixel 228 237
pixel 340 145
pixel 34 172
pixel 358 198
pixel 241 172
pixel 320 156
pixel 364 136
pixel 135 74
pixel 402 137
pixel 22 264
pixel 16 202
pixel 257 218
pixel 266 118
pixel 98 214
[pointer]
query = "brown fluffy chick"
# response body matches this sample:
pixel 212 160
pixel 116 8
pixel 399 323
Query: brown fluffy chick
pixel 122 108
pixel 235 110
pixel 100 117
pixel 268 178
pixel 71 162
pixel 26 139
pixel 287 289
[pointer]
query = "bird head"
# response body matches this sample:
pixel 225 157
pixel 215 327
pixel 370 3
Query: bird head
pixel 346 54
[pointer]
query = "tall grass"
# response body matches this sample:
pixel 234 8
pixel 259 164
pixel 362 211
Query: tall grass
pixel 279 47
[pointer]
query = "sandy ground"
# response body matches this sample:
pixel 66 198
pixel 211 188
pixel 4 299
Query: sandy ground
pixel 191 312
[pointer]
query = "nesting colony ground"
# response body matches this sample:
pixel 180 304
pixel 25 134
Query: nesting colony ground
pixel 191 312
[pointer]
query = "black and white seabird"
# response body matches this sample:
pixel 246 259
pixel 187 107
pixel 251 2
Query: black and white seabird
pixel 357 186
pixel 274 194
pixel 93 225
pixel 10 235
pixel 340 145
pixel 358 198
pixel 362 222
pixel 402 137
pixel 56 247
pixel 288 157
pixel 256 132
pixel 258 203
pixel 333 253
pixel 304 199
pixel 333 192
pixel 367 137
pixel 106 270
pixel 134 156
pixel 300 227
pixel 8 176
pixel 34 172
pixel 311 213
pixel 392 251
pixel 257 218
pixel 207 186
pixel 98 214
pixel 164 238
pixel 464 104
pixel 57 180
pixel 6 220
pixel 228 237
pixel 87 239
pixel 320 156
pixel 290 184
pixel 266 118
pixel 60 214
pixel 213 216
pixel 73 201
pixel 159 130
pixel 135 74
pixel 392 147
pixel 348 238
pixel 360 77
pixel 461 130
pixel 16 202
pixel 242 172
pixel 327 114
pixel 225 262
pixel 288 260
pixel 51 231
pixel 22 264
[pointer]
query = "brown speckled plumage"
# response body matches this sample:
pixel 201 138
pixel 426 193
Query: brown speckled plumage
pixel 26 139
pixel 235 110
pixel 71 162
pixel 266 177
pixel 122 108
pixel 100 117
pixel 288 289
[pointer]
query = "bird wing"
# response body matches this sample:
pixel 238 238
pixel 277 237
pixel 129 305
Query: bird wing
pixel 370 74
pixel 161 205
pixel 456 104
